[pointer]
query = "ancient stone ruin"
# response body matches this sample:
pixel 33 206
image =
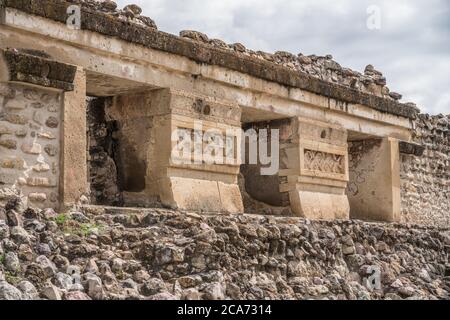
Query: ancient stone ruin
pixel 88 115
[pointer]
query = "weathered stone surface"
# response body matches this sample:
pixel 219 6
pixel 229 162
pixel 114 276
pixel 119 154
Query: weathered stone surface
pixel 9 292
pixel 37 197
pixel 13 163
pixel 13 218
pixel 26 149
pixel 39 182
pixel 8 144
pixel 76 295
pixel 29 68
pixel 194 35
pixel 51 292
pixel 11 262
pixel 411 148
pixel 104 253
pixel 31 148
pixel 46 135
pixel 133 8
pixel 29 291
pixel 13 118
pixel 165 254
pixel 41 167
pixel 425 172
pixel 51 150
pixel 4 130
pixel 52 122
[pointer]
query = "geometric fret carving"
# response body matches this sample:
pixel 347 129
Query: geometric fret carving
pixel 324 162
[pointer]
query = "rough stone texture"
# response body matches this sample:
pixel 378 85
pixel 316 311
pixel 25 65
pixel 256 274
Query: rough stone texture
pixel 320 75
pixel 32 166
pixel 102 153
pixel 162 254
pixel 29 67
pixel 425 179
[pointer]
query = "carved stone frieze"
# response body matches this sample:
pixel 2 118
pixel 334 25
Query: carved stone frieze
pixel 324 162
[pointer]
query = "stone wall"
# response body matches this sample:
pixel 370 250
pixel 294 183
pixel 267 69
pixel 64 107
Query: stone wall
pixel 30 142
pixel 116 253
pixel 102 147
pixel 425 180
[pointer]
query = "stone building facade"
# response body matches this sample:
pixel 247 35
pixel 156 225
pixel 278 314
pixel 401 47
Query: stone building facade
pixel 90 112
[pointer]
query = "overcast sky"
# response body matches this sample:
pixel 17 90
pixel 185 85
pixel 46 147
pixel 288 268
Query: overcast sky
pixel 412 48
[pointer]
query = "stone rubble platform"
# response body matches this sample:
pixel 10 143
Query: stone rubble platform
pixel 95 252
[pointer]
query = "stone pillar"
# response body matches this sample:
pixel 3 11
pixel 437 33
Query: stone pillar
pixel 31 107
pixel 374 188
pixel 74 181
pixel 314 172
pixel 151 126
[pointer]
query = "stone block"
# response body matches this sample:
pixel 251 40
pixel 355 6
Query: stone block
pixel 13 163
pixel 37 197
pixel 51 150
pixel 14 118
pixel 31 148
pixel 46 135
pixel 320 206
pixel 41 167
pixel 21 133
pixel 38 117
pixel 52 122
pixel 40 182
pixel 8 144
pixel 4 130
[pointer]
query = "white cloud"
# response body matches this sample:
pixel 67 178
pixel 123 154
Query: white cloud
pixel 412 48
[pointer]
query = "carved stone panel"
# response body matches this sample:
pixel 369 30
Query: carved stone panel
pixel 324 162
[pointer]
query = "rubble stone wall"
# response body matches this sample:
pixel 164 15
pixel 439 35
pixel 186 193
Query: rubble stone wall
pixel 30 142
pixel 116 253
pixel 102 156
pixel 425 180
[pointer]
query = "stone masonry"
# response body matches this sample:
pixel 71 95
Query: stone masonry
pixel 30 126
pixel 30 142
pixel 349 147
pixel 105 253
pixel 98 200
pixel 426 176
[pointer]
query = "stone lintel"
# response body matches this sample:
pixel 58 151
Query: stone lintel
pixel 411 148
pixel 203 53
pixel 37 70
